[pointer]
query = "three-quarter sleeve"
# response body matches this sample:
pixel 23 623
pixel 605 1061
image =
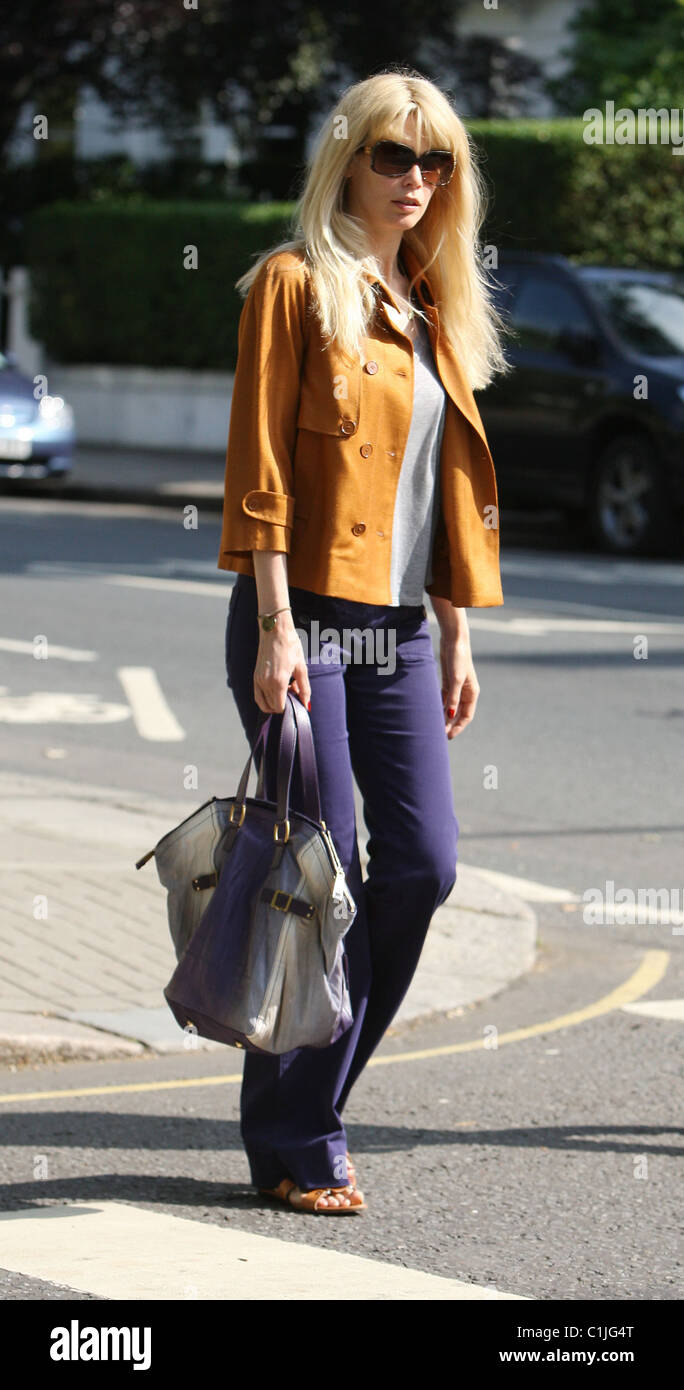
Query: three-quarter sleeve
pixel 258 507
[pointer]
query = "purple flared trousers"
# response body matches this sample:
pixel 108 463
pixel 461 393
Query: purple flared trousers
pixel 376 716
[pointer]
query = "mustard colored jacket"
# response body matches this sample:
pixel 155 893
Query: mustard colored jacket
pixel 316 442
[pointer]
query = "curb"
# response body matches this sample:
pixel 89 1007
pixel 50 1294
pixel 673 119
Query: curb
pixel 124 493
pixel 479 941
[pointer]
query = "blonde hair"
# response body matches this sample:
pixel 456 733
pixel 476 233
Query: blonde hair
pixel 335 244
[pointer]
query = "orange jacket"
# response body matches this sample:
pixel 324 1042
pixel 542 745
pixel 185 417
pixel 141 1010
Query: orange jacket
pixel 316 442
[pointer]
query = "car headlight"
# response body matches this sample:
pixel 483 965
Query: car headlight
pixel 53 410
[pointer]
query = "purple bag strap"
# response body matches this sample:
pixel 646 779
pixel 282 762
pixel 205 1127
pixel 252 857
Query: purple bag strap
pixel 297 730
pixel 295 736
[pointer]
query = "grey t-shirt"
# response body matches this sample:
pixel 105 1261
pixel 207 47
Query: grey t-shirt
pixel 416 507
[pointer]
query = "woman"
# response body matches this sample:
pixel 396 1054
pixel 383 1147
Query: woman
pixel 357 475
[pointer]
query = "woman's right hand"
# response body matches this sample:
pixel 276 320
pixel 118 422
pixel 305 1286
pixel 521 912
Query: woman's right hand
pixel 280 665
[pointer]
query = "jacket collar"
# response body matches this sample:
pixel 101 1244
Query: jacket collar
pixel 450 372
pixel 423 289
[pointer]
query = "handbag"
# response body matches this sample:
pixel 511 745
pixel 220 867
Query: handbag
pixel 261 963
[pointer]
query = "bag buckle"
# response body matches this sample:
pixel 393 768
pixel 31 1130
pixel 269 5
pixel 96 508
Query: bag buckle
pixel 280 893
pixel 231 818
pixel 286 836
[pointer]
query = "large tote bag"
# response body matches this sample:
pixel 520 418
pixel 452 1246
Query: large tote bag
pixel 265 967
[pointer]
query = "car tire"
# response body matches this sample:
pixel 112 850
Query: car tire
pixel 630 508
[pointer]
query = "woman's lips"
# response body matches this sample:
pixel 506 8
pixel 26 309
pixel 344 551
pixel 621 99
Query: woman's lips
pixel 405 203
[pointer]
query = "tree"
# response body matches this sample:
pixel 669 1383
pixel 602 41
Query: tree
pixel 627 51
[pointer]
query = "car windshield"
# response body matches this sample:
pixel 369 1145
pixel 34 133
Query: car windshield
pixel 648 318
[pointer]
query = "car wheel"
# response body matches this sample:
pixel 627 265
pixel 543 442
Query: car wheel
pixel 630 507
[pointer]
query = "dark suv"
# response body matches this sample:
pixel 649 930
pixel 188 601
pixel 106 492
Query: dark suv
pixel 592 417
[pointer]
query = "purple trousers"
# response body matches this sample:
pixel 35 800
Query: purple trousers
pixel 376 716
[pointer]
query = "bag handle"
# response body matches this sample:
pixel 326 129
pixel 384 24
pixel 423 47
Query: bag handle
pixel 296 730
pixel 295 735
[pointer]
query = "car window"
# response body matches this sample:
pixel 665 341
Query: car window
pixel 648 318
pixel 544 308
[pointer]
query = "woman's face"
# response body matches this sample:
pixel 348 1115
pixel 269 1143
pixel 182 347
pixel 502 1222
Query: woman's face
pixel 384 203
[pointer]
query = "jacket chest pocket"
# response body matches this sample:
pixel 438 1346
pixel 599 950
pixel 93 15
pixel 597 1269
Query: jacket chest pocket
pixel 329 397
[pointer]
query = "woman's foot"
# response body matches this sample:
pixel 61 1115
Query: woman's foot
pixel 331 1200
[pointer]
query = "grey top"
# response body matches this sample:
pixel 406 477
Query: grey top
pixel 416 506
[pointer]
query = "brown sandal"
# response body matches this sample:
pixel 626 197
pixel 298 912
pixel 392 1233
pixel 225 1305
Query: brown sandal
pixel 350 1199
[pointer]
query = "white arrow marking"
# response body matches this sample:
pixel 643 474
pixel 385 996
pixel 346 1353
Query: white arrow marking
pixel 151 714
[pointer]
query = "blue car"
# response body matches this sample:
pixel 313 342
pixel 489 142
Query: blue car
pixel 37 435
pixel 591 419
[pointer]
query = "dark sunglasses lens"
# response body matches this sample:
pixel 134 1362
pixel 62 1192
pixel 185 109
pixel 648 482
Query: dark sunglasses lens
pixel 391 159
pixel 437 168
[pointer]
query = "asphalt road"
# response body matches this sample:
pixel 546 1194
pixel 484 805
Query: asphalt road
pixel 548 1165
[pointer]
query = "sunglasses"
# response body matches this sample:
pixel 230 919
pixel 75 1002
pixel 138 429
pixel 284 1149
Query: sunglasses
pixel 392 160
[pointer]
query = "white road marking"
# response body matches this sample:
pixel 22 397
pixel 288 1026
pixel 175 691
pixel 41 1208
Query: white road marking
pixel 528 889
pixel 628 914
pixel 556 566
pixel 119 1251
pixel 185 586
pixel 658 1008
pixel 14 644
pixel 192 488
pixel 152 717
pixel 541 626
pixel 59 707
pixel 640 915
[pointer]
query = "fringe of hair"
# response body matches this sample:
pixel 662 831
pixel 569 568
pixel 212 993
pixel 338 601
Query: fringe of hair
pixel 335 244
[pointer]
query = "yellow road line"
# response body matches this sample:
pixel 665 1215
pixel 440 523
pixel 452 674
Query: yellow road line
pixel 648 973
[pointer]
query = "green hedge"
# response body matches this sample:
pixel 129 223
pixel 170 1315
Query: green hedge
pixel 549 191
pixel 27 187
pixel 109 284
pixel 108 278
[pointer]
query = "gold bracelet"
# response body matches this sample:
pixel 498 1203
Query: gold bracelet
pixel 267 620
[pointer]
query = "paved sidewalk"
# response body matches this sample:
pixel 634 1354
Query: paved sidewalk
pixel 85 944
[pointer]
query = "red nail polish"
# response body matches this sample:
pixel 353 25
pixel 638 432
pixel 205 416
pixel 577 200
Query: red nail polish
pixel 309 705
pixel 451 712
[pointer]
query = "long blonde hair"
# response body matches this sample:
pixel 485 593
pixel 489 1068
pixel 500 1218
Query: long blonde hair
pixel 335 244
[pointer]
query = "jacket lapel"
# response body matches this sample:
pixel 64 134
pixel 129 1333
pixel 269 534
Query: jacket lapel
pixel 448 366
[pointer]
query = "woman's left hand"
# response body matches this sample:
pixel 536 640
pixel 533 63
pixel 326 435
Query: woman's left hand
pixel 460 686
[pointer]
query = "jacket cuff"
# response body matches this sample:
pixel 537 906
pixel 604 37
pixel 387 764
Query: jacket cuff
pixel 276 508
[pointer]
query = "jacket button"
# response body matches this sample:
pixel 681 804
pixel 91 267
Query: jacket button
pixel 358 528
pixel 348 426
pixel 366 450
pixel 371 368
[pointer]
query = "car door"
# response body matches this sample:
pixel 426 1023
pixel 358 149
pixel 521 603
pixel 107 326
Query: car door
pixel 543 409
